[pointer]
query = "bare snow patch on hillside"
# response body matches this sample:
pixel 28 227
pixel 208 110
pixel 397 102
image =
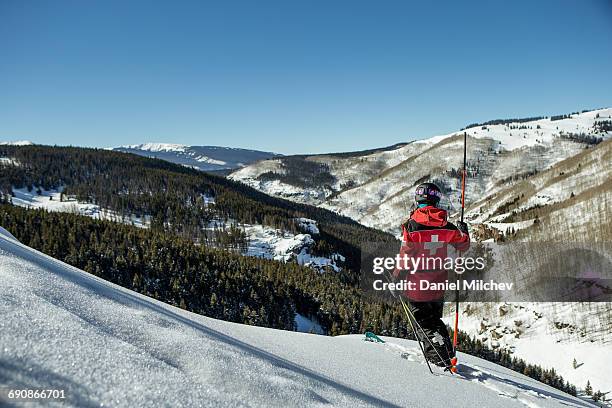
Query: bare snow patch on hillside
pixel 308 225
pixel 279 189
pixel 8 161
pixel 254 170
pixel 516 135
pixel 250 175
pixel 54 200
pixel 510 226
pixel 271 243
pixel 209 160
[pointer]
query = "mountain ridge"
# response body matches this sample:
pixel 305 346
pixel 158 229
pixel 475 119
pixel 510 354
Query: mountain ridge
pixel 354 186
pixel 204 158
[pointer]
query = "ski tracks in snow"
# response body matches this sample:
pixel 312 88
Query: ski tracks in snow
pixel 505 387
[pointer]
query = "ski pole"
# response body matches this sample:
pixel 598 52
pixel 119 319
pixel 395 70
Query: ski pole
pixel 463 177
pixel 408 315
pixel 414 325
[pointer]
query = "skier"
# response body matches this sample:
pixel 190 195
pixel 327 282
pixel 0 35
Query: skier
pixel 427 234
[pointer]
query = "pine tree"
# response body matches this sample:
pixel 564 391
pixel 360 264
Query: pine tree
pixel 588 390
pixel 597 396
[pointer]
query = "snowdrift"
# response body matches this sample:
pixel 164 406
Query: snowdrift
pixel 104 345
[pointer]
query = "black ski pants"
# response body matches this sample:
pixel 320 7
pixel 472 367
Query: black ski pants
pixel 434 336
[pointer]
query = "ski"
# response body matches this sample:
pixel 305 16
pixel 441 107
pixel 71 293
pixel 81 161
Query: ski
pixel 436 371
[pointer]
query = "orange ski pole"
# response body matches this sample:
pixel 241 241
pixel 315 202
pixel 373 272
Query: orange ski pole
pixel 455 332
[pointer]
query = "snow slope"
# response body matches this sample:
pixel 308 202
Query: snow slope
pixel 571 200
pixel 107 346
pixel 518 135
pixel 547 334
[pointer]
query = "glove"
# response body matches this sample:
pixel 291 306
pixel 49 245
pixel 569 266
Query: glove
pixel 462 226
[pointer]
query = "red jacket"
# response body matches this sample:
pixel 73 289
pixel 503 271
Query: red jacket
pixel 427 235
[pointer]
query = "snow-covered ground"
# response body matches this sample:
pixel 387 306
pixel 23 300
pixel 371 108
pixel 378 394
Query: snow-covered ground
pixel 8 161
pixel 551 335
pixel 271 243
pixel 51 200
pixel 573 196
pixel 287 191
pixel 107 346
pixel 308 225
pixel 158 147
pixel 518 135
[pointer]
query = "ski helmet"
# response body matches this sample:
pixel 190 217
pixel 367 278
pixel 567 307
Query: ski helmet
pixel 427 193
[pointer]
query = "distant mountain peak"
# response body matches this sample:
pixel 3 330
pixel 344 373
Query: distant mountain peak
pixel 17 143
pixel 157 147
pixel 205 158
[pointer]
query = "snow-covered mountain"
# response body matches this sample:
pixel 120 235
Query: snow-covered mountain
pixel 568 201
pixel 104 345
pixel 17 143
pixel 377 189
pixel 205 158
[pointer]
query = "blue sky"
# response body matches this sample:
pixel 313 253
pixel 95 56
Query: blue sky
pixel 289 76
